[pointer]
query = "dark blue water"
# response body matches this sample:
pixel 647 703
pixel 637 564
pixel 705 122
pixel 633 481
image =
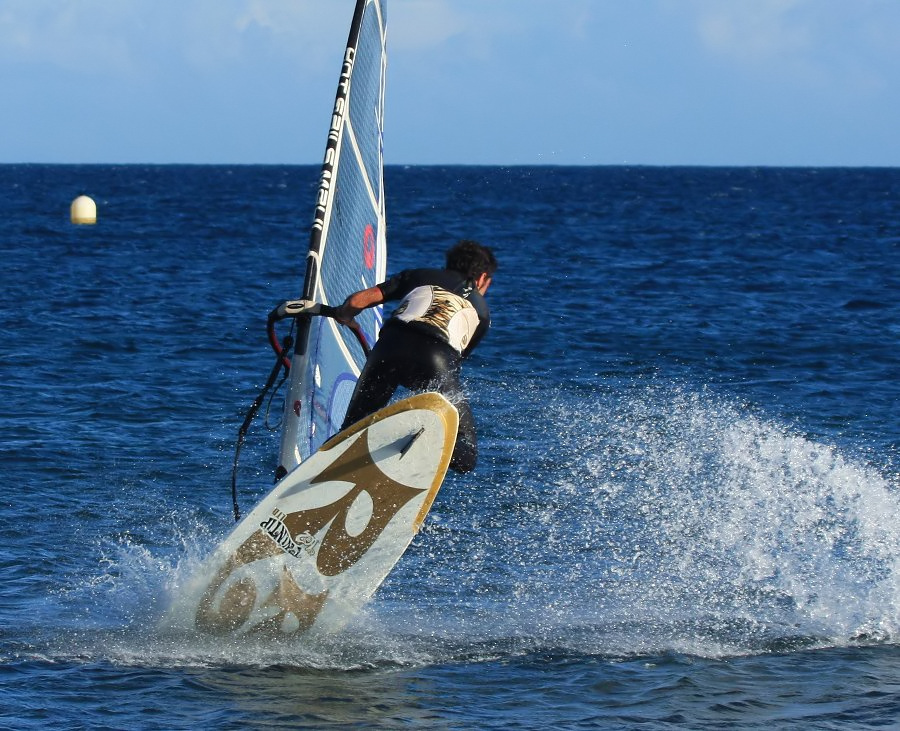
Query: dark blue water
pixel 687 513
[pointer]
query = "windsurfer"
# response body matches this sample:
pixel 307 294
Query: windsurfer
pixel 441 318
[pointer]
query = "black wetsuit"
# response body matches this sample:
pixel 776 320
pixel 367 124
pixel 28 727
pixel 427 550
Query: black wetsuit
pixel 421 350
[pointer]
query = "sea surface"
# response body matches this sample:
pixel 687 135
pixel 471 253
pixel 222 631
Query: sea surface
pixel 687 509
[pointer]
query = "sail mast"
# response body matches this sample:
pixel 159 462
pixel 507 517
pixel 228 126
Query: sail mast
pixel 347 245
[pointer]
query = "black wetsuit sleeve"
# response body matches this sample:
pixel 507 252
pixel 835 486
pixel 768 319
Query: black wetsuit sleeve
pixel 394 287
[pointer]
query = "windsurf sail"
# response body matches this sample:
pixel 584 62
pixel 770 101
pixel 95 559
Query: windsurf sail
pixel 347 245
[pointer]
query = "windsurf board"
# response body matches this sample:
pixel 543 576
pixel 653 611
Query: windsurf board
pixel 316 548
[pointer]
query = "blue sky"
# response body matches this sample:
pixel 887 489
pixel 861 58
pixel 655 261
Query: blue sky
pixel 659 82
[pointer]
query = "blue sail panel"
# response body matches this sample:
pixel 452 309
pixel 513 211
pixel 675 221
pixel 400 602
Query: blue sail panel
pixel 347 249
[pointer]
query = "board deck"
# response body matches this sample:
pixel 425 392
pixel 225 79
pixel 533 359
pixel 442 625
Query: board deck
pixel 316 548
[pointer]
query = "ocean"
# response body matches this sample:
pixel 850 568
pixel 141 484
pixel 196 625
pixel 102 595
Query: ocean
pixel 686 513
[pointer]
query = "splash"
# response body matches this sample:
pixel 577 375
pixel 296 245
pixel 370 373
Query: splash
pixel 122 613
pixel 664 520
pixel 683 521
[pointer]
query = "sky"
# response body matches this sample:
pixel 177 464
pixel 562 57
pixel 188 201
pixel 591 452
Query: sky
pixel 498 82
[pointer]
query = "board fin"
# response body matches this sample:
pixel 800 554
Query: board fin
pixel 412 440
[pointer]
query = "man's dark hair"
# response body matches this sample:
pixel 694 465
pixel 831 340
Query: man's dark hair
pixel 472 259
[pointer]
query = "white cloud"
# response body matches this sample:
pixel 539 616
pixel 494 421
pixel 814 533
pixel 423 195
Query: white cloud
pixel 67 34
pixel 765 31
pixel 304 24
pixel 428 24
pixel 845 47
pixel 120 36
pixel 418 24
pixel 757 31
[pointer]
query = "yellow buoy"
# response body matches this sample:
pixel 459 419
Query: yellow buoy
pixel 84 210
